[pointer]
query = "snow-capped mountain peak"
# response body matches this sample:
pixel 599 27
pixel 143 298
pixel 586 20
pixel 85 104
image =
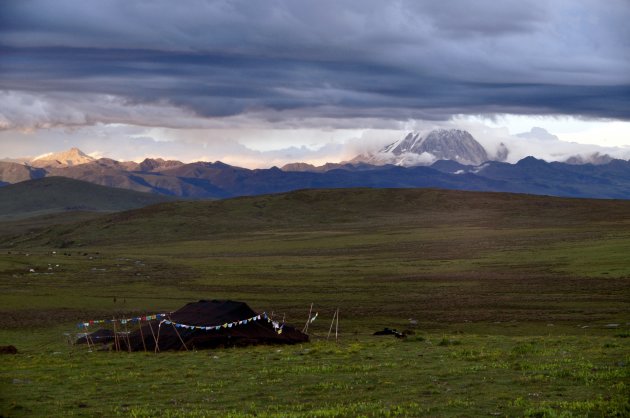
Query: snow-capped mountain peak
pixel 441 144
pixel 71 157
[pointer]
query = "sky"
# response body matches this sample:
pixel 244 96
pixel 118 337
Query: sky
pixel 259 83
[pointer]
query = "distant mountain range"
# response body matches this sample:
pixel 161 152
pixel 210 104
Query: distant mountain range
pixel 442 159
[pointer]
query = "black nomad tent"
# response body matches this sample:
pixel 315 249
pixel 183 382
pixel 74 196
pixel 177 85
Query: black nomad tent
pixel 210 324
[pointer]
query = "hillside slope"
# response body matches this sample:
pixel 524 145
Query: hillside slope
pixel 60 194
pixel 14 172
pixel 339 210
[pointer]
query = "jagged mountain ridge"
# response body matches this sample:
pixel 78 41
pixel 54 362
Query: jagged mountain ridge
pixel 203 180
pixel 158 164
pixel 441 144
pixel 596 159
pixel 219 180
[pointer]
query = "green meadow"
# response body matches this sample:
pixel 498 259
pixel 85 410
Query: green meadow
pixel 521 306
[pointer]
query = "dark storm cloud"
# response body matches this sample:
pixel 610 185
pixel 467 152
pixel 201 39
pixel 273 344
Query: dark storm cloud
pixel 337 59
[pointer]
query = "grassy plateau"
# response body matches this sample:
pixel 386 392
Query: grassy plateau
pixel 521 306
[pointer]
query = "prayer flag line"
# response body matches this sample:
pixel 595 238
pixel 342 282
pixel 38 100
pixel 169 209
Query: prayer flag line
pixel 276 325
pixel 123 320
pixel 217 327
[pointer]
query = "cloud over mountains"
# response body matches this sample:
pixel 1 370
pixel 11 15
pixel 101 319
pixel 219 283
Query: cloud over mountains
pixel 72 63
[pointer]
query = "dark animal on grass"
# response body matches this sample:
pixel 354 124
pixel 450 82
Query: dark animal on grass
pixel 390 331
pixel 8 349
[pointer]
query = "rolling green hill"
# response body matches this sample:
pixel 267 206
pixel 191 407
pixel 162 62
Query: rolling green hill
pixel 347 210
pixel 59 194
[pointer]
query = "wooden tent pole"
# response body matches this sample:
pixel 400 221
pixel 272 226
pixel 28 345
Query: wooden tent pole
pixel 180 337
pixel 90 340
pixel 116 343
pixel 310 311
pixel 331 325
pixel 142 337
pixel 128 342
pixel 337 325
pixel 154 339
pixel 157 340
pixel 87 338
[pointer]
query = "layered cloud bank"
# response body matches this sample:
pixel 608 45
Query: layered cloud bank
pixel 81 63
pixel 181 81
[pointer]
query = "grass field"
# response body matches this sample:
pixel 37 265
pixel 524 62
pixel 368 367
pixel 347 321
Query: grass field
pixel 522 303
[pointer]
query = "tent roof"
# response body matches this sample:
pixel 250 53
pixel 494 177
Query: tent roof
pixel 214 312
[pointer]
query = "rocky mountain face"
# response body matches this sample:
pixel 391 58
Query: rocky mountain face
pixel 595 159
pixel 14 172
pixel 452 144
pixel 301 167
pixel 158 164
pixel 72 157
pixel 442 144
